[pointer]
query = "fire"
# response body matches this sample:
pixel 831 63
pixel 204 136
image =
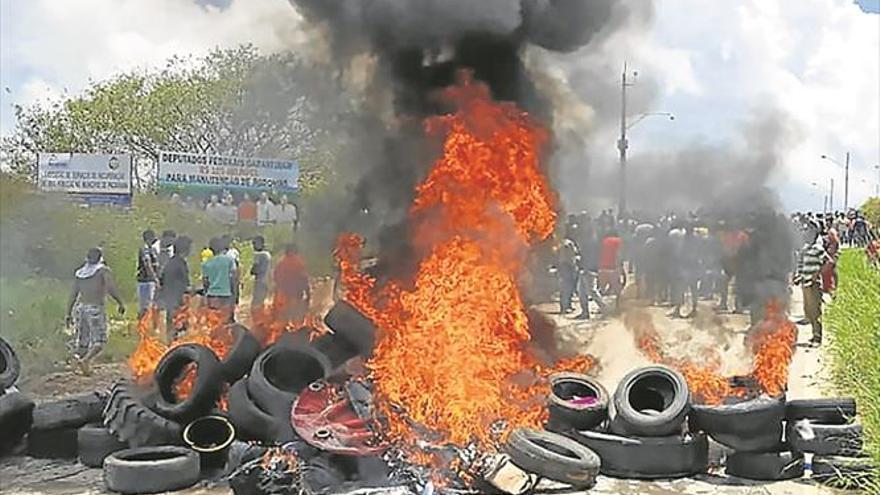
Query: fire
pixel 269 325
pixel 772 344
pixel 450 356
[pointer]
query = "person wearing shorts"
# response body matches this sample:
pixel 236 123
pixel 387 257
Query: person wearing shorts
pixel 85 309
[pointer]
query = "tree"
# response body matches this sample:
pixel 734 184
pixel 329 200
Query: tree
pixel 871 210
pixel 234 101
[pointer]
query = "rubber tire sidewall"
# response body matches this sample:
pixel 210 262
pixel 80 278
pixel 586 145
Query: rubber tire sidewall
pixel 253 423
pixel 206 388
pixel 528 455
pixel 667 422
pixel 268 397
pixel 16 417
pixel 95 443
pixel 164 475
pixel 566 416
pixel 12 370
pixel 241 357
pixel 765 466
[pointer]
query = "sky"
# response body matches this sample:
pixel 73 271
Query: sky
pixel 715 61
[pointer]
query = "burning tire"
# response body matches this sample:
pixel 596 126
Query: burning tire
pixel 16 416
pixel 766 466
pixel 10 366
pixel 553 457
pixel 835 411
pixel 241 357
pixel 253 423
pixel 845 472
pixel 819 439
pixel 206 387
pixel 576 402
pixel 151 470
pixel 749 426
pixel 651 401
pixel 281 372
pixel 352 326
pixel 648 458
pixel 72 412
pixel 95 443
pixel 134 424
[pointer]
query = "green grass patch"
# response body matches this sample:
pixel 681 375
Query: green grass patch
pixel 853 319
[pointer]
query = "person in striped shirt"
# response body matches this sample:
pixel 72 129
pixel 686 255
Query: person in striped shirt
pixel 812 258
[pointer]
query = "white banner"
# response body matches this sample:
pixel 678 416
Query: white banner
pixel 84 173
pixel 195 171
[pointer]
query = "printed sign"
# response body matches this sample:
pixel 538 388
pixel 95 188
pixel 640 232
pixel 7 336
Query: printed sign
pixel 83 173
pixel 195 172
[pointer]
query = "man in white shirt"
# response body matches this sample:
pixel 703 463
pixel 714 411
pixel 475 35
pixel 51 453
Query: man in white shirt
pixel 228 211
pixel 265 210
pixel 286 213
pixel 214 209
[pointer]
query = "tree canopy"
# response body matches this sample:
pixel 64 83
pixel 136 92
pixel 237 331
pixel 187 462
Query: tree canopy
pixel 232 101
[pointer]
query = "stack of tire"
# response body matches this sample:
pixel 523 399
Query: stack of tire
pixel 828 429
pixel 753 429
pixel 16 409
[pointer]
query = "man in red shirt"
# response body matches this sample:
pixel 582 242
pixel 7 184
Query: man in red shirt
pixel 610 266
pixel 247 210
pixel 292 294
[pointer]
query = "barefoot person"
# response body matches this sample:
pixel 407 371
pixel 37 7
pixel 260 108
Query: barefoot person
pixel 85 309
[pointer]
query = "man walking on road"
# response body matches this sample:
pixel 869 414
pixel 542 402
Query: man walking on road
pixel 260 271
pixel 85 308
pixel 175 284
pixel 810 262
pixel 147 272
pixel 292 293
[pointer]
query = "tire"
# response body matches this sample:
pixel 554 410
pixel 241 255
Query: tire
pixel 72 412
pixel 151 470
pixel 748 426
pixel 553 456
pixel 94 443
pixel 351 325
pixel 16 416
pixel 253 423
pixel 10 366
pixel 241 357
pixel 280 373
pixel 564 414
pixel 652 388
pixel 131 422
pixel 58 443
pixel 766 466
pixel 846 472
pixel 647 458
pixel 337 349
pixel 834 411
pixel 206 389
pixel 819 439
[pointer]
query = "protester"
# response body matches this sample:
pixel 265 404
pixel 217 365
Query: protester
pixel 205 254
pixel 286 213
pixel 610 265
pixel 588 271
pixel 228 212
pixel 292 293
pixel 247 210
pixel 165 248
pixel 214 209
pixel 567 269
pixel 265 210
pixel 147 272
pixel 85 309
pixel 810 262
pixel 260 270
pixel 219 276
pixel 175 284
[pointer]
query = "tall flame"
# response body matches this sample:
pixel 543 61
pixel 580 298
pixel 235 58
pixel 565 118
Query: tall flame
pixel 450 356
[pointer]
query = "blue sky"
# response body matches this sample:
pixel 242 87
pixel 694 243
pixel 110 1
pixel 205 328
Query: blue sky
pixel 714 63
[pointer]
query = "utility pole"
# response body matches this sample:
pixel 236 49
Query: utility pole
pixel 846 184
pixel 831 196
pixel 622 143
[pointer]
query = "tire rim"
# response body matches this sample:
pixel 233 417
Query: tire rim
pixel 209 434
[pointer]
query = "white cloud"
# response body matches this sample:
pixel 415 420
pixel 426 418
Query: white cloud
pixel 61 45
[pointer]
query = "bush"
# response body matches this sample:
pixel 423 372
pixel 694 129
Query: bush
pixel 853 319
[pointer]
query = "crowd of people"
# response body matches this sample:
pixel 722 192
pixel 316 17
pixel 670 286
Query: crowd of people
pixel 679 260
pixel 264 210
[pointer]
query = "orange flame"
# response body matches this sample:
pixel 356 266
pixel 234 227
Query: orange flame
pixel 450 355
pixel 772 344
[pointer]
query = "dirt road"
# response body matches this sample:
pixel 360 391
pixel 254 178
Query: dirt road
pixel 607 339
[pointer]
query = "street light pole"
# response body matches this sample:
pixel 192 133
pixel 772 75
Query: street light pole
pixel 831 196
pixel 846 184
pixel 622 143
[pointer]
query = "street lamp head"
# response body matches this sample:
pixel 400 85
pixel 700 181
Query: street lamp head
pixel 824 157
pixel 671 117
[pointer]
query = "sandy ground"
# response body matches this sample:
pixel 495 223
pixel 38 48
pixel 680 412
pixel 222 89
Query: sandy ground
pixel 607 339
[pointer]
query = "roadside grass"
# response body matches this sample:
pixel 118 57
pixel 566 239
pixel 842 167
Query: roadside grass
pixel 853 320
pixel 44 238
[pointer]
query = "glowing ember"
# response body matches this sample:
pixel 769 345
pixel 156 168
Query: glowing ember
pixel 450 355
